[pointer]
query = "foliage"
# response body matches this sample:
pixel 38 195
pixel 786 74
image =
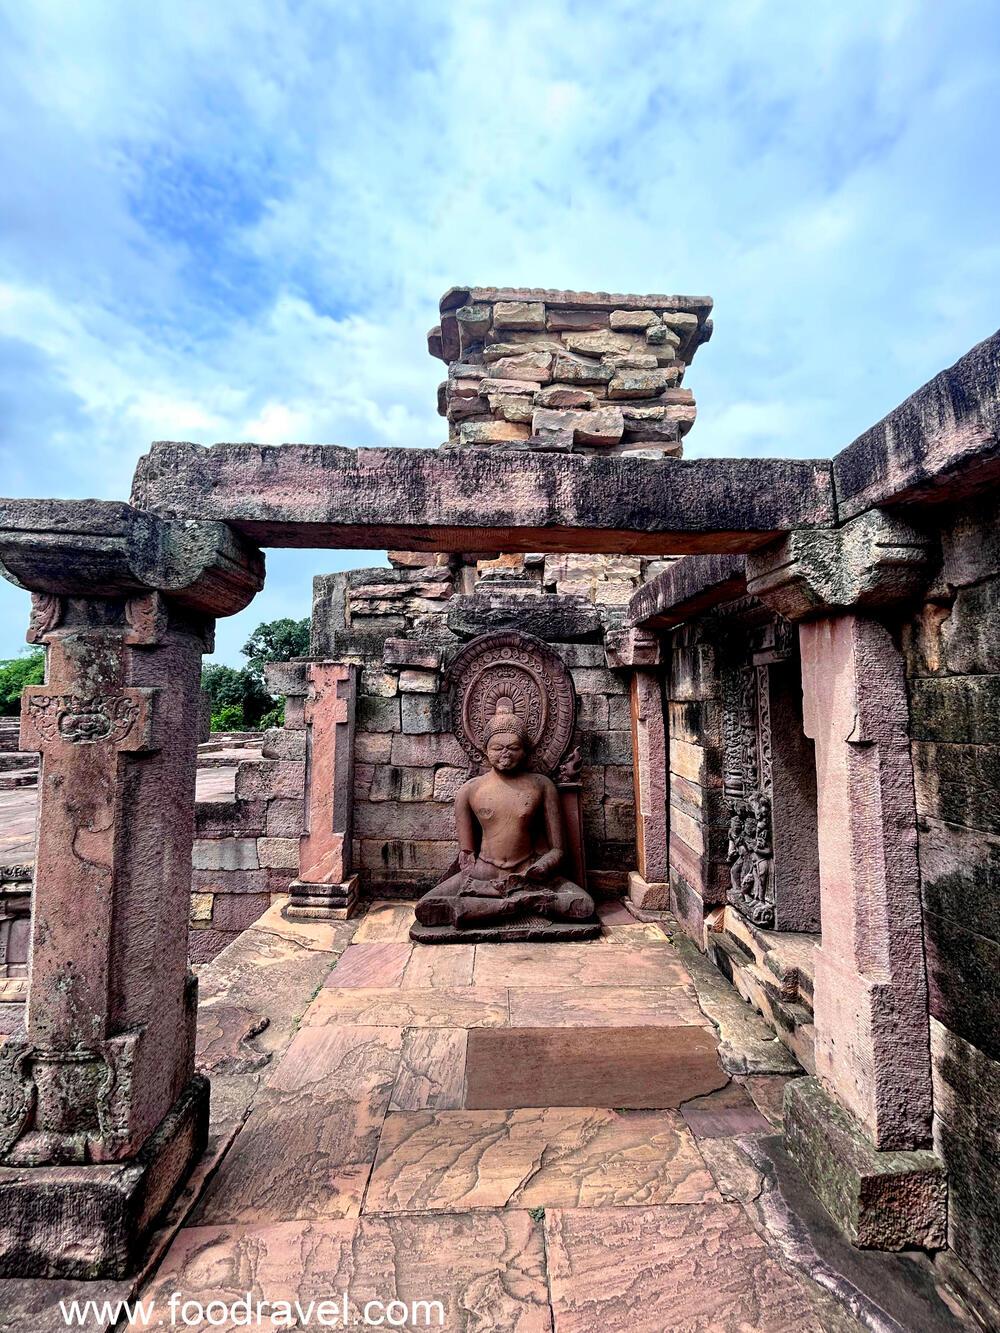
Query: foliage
pixel 240 698
pixel 15 673
pixel 277 641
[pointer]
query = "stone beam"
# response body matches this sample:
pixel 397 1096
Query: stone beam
pixel 940 444
pixel 483 499
pixel 686 589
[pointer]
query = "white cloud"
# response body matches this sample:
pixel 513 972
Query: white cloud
pixel 235 220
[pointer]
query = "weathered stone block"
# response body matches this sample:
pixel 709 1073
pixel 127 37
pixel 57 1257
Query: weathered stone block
pixel 279 853
pixel 519 315
pixel 372 747
pixel 229 881
pixel 607 747
pixel 963 978
pixel 280 744
pixel 576 319
pixel 426 751
pixel 401 784
pixel 966 1132
pixel 533 366
pixel 269 777
pixel 646 896
pixel 491 431
pixel 418 681
pixel 960 876
pixel 378 714
pixel 420 820
pixel 959 709
pixel 447 782
pixel 637 384
pixel 636 320
pixel 201 906
pixel 285 818
pixel 424 712
pixel 565 396
pixel 229 819
pixel 411 653
pixel 225 854
pixel 379 684
pixel 595 680
pixel 959 784
pixel 568 371
pixel 881 1200
pixel 597 343
pixel 239 911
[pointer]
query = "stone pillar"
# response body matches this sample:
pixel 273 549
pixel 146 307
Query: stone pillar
pixel 101 1113
pixel 649 887
pixel 860 1129
pixel 326 887
pixel 872 1034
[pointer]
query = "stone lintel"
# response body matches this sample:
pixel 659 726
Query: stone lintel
pixel 686 589
pixel 875 561
pixel 97 548
pixel 938 446
pixel 881 1200
pixel 484 499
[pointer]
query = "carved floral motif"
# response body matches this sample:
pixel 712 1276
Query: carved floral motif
pixel 83 719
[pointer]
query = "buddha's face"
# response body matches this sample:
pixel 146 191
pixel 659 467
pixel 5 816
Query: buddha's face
pixel 505 751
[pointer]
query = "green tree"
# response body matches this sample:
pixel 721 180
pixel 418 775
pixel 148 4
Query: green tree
pixel 15 673
pixel 240 698
pixel 277 641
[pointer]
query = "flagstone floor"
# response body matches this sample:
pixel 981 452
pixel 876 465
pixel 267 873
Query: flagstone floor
pixel 540 1137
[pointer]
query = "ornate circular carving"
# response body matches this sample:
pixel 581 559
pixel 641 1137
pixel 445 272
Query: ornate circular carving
pixel 526 672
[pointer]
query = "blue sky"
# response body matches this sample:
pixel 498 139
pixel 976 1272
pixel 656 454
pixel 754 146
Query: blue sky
pixel 233 221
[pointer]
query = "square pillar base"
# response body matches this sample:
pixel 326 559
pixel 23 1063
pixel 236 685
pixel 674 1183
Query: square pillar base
pixel 322 902
pixel 647 901
pixel 880 1200
pixel 90 1222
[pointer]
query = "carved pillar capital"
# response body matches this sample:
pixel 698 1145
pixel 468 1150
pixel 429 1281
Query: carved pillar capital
pixel 632 647
pixel 89 548
pixel 874 561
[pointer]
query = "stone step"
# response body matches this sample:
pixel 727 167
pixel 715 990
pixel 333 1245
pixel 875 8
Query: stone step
pixel 18 777
pixel 791 1020
pixel 10 759
pixel 788 956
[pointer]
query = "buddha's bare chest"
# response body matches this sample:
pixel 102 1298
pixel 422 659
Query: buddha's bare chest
pixel 505 806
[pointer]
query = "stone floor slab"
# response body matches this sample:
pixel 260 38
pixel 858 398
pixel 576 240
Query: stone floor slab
pixel 451 1161
pixel 369 965
pixel 431 1070
pixel 395 1007
pixel 626 1067
pixel 595 964
pixel 384 922
pixel 306 1149
pixel 430 966
pixel 727 1113
pixel 487 1269
pixel 605 1006
pixel 700 1269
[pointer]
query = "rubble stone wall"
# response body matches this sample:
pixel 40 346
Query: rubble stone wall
pixel 952 651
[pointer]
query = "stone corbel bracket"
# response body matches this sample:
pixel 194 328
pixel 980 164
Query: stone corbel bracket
pixel 95 548
pixel 873 562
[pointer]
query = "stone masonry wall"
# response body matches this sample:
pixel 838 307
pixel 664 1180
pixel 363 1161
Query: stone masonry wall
pixel 408 765
pixel 952 651
pixel 568 371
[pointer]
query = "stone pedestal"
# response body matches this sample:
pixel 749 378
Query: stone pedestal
pixel 326 887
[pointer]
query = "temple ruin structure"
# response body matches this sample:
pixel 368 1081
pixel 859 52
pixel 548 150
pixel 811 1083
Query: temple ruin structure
pixel 786 683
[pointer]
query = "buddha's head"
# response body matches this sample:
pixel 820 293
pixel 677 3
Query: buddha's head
pixel 506 739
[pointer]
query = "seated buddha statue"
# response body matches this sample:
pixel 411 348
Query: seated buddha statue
pixel 510 839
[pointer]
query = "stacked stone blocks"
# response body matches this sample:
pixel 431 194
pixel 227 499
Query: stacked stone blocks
pixel 568 371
